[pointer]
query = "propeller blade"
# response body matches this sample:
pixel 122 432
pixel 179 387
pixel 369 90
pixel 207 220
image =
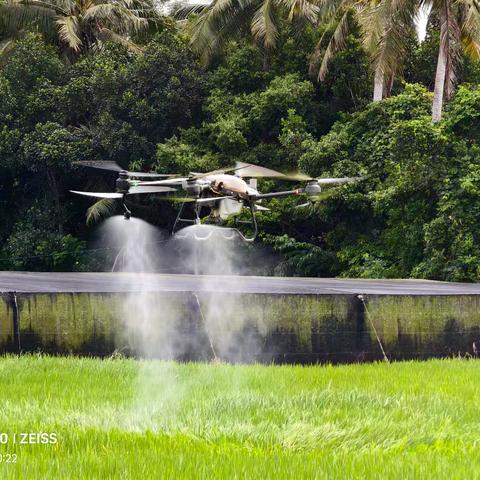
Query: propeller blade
pixel 146 189
pixel 100 164
pixel 168 181
pixel 220 171
pixel 303 205
pixel 140 175
pixel 99 194
pixel 260 208
pixel 323 195
pixel 254 171
pixel 212 199
pixel 297 176
pixel 302 177
pixel 241 169
pixel 175 199
pixel 314 199
pixel 112 166
pixel 338 181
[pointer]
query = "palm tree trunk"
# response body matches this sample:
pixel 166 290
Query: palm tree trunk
pixel 378 85
pixel 387 90
pixel 266 60
pixel 440 74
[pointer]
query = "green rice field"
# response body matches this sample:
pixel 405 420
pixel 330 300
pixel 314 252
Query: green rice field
pixel 123 418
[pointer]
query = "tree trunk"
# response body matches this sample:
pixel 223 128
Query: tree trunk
pixel 440 74
pixel 266 60
pixel 378 85
pixel 56 199
pixel 387 90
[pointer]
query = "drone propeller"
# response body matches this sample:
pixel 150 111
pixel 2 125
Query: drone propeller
pixel 304 205
pixel 112 166
pixel 241 169
pixel 98 194
pixel 322 181
pixel 131 191
pixel 100 164
pixel 140 189
pixel 212 199
pixel 168 181
pixel 337 181
pixel 176 199
pixel 199 201
pixel 314 199
pixel 248 170
pixel 175 180
pixel 260 208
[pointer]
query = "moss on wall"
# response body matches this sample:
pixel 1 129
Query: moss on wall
pixel 6 324
pixel 424 326
pixel 244 327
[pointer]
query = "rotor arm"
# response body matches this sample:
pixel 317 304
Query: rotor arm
pixel 285 193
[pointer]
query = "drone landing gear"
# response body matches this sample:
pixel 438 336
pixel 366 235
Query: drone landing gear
pixel 252 223
pixel 203 232
pixel 126 212
pixel 191 221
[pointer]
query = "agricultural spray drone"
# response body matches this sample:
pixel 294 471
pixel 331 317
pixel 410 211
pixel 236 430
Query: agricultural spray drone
pixel 214 196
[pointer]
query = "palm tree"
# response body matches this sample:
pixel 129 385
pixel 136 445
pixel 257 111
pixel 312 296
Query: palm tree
pixel 6 35
pixel 385 26
pixel 221 19
pixel 79 25
pixel 459 29
pixel 383 30
pixel 459 25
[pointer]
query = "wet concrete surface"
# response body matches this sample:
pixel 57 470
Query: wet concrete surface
pixel 58 282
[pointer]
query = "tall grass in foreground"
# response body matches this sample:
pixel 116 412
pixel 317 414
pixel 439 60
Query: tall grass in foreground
pixel 138 419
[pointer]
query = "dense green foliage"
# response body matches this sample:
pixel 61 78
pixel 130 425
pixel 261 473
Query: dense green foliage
pixel 416 213
pixel 112 105
pixel 135 419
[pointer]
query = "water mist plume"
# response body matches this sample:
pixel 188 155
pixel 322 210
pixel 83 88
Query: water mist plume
pixel 202 325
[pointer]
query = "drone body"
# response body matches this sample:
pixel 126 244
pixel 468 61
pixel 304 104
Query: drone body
pixel 223 193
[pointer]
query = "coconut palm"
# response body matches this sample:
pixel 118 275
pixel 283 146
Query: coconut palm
pixel 79 25
pixel 383 29
pixel 386 25
pixel 221 19
pixel 459 30
pixel 6 35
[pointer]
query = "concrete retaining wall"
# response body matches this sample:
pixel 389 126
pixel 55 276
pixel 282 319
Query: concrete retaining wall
pixel 242 327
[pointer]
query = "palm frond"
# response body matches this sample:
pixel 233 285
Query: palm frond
pixel 328 9
pixel 263 25
pixel 301 9
pixel 69 32
pixel 116 16
pixel 17 15
pixel 389 53
pixel 450 42
pixel 218 23
pixel 209 21
pixel 56 6
pixel 336 43
pixel 372 21
pixel 386 27
pixel 182 10
pixel 470 27
pixel 100 210
pixel 106 35
pixel 6 45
